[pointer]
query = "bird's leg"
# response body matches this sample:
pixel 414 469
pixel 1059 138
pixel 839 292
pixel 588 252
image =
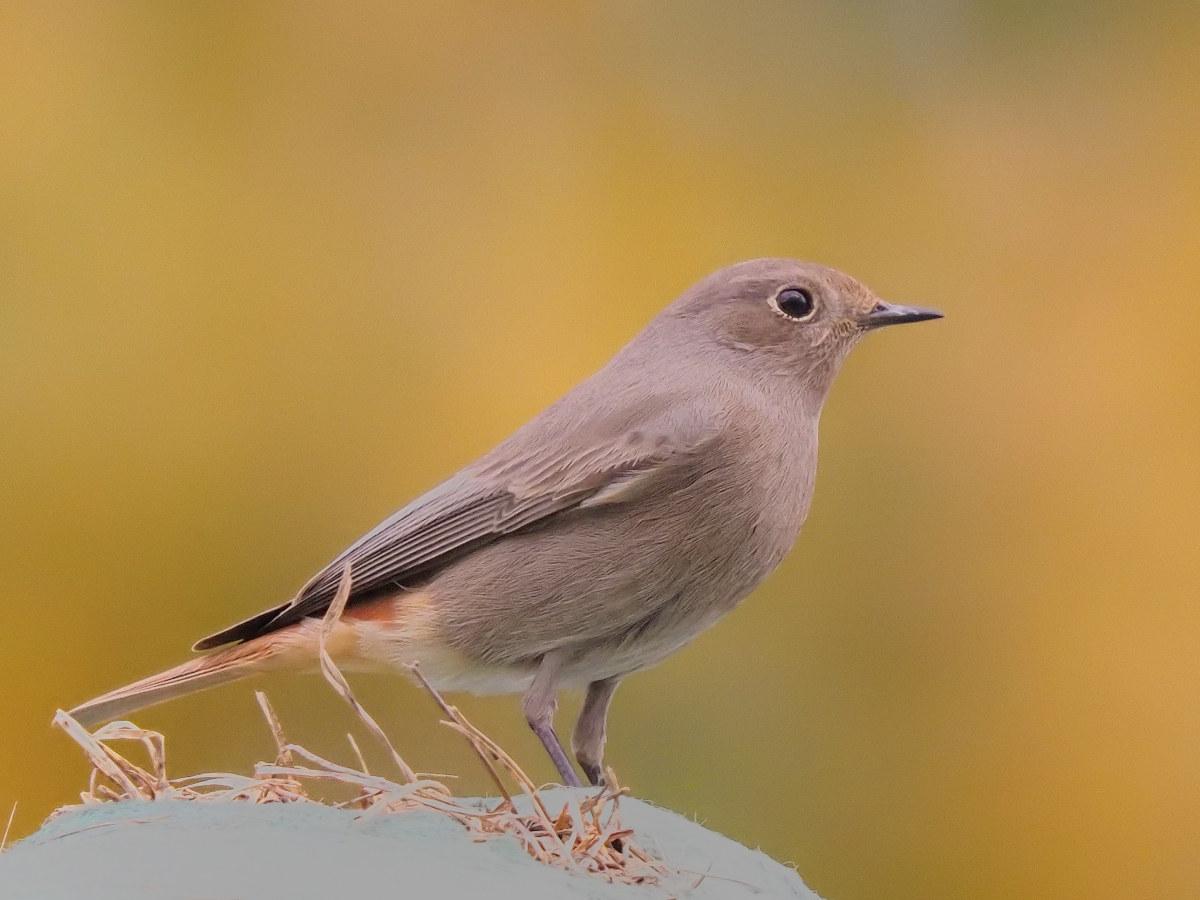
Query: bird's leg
pixel 590 731
pixel 539 705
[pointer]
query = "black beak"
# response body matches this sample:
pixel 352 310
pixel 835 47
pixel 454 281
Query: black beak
pixel 893 314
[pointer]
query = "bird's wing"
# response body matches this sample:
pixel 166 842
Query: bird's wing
pixel 528 479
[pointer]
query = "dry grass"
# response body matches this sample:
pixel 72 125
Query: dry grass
pixel 585 836
pixel 8 827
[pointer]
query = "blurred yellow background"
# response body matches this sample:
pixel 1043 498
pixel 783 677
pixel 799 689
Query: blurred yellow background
pixel 270 270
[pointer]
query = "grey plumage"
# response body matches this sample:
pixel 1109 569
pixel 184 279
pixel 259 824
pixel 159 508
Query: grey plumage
pixel 616 525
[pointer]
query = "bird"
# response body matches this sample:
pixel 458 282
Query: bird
pixel 600 537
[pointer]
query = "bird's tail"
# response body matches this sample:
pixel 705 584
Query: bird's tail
pixel 222 667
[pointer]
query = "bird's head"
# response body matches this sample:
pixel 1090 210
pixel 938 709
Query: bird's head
pixel 789 317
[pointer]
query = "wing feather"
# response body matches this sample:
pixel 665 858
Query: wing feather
pixel 501 494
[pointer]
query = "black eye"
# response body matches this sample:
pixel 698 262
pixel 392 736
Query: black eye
pixel 796 303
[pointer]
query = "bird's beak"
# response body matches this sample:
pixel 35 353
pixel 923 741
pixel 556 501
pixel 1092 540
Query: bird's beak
pixel 894 314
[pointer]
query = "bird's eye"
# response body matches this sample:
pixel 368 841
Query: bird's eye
pixel 795 303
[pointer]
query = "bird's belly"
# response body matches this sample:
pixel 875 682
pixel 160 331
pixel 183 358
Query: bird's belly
pixel 614 590
pixel 616 595
pixel 608 626
pixel 390 650
pixel 395 633
pixel 413 638
pixel 632 652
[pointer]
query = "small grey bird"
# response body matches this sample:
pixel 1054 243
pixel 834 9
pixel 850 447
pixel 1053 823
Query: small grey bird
pixel 602 536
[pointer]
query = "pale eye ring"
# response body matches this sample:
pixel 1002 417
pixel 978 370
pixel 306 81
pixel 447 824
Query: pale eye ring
pixel 795 303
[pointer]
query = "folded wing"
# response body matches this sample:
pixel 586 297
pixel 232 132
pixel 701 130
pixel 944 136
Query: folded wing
pixel 521 483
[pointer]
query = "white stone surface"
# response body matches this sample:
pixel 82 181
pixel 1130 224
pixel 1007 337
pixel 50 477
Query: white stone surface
pixel 176 850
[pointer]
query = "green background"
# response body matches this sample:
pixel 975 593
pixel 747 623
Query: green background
pixel 269 270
